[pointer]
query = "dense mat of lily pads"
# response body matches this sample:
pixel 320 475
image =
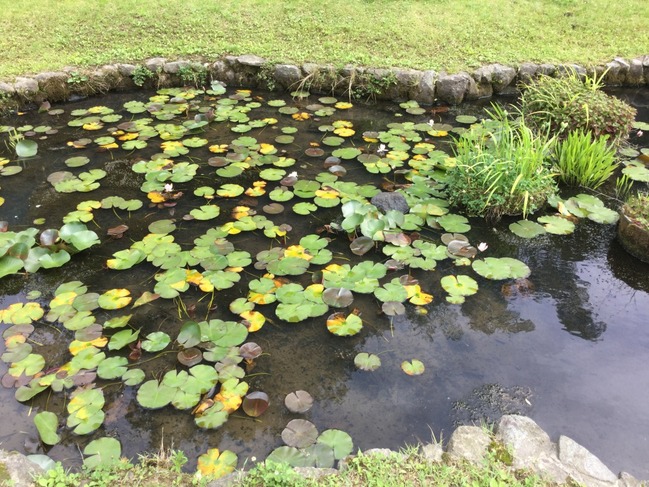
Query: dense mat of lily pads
pixel 254 182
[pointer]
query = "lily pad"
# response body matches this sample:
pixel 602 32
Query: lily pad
pixel 298 401
pixel 527 229
pixel 300 433
pixel 215 464
pixel 367 361
pixel 557 225
pixel 255 403
pixel 501 268
pixel 46 423
pixel 413 367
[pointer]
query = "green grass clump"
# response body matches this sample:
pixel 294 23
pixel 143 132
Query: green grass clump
pixel 565 104
pixel 637 208
pixel 501 169
pixel 583 161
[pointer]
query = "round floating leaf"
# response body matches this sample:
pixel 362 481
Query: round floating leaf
pixel 205 212
pixel 454 223
pixel 393 308
pixel 213 418
pixel 156 341
pixel 342 325
pixel 468 119
pixel 320 455
pixel 102 452
pixel 133 377
pixel 162 227
pixel 273 208
pixel 154 395
pixel 215 464
pixel 26 148
pixel 46 423
pixel 115 299
pixel 77 161
pixel 502 268
pixel 304 208
pixel 190 357
pixel 459 285
pixel 367 361
pixel 338 297
pixel 250 351
pixel 361 245
pixel 255 403
pixel 557 225
pixel 122 338
pixel 347 153
pixel 298 401
pixel 300 433
pixel 289 455
pixel 526 229
pixel 339 441
pixel 284 139
pixel 112 368
pixel 414 367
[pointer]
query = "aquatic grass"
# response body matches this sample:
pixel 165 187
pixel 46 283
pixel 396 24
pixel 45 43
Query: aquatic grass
pixel 567 103
pixel 583 161
pixel 46 36
pixel 501 168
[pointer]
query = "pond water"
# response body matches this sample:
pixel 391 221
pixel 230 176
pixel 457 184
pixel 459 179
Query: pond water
pixel 567 347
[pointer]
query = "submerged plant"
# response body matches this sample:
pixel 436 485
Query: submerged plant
pixel 583 161
pixel 562 105
pixel 501 168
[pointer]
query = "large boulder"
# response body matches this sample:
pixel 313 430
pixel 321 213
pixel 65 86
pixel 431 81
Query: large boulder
pixel 469 443
pixel 385 202
pixel 17 470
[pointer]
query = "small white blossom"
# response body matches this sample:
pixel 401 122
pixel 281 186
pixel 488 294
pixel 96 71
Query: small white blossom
pixel 292 175
pixel 640 133
pixel 431 122
pixel 382 148
pixel 482 246
pixel 169 188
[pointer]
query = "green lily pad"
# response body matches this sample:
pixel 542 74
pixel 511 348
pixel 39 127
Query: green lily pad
pixel 102 452
pixel 215 464
pixel 300 433
pixel 367 361
pixel 501 268
pixel 156 341
pixel 459 285
pixel 557 225
pixel 289 455
pixel 414 367
pixel 298 401
pixel 47 423
pixel 527 229
pixel 154 395
pixel 26 148
pixel 339 441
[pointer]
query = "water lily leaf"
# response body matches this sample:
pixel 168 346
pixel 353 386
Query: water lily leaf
pixel 46 423
pixel 637 171
pixel 347 153
pixel 26 148
pixel 454 223
pixel 162 227
pixel 230 190
pixel 156 341
pixel 215 464
pixel 125 259
pixel 205 212
pixel 603 215
pixel 298 401
pixel 501 268
pixel 255 403
pixel 417 296
pixel 122 338
pixel 84 408
pixel 112 367
pixel 467 119
pixel 337 297
pixel 154 395
pixel 527 229
pixel 147 297
pixel 102 452
pixel 361 245
pixel 393 308
pixel 339 441
pixel 19 313
pixel 367 361
pixel 31 365
pixel 320 455
pixel 414 367
pixel 342 325
pixel 300 433
pixel 133 377
pixel 213 418
pixel 115 299
pixel 289 455
pixel 459 285
pixel 557 225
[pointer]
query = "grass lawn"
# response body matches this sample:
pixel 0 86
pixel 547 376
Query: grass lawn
pixel 423 34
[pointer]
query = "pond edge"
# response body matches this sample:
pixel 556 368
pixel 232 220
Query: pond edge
pixel 354 82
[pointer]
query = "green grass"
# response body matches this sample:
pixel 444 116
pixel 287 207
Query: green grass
pixel 422 34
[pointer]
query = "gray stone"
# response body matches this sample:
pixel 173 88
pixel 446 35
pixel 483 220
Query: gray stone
pixel 231 480
pixel 155 63
pixel 126 69
pixel 502 77
pixel 7 88
pixel 452 88
pixel 579 458
pixel 426 91
pixel 287 75
pixel 315 473
pixel 628 480
pixel 18 470
pixel 469 443
pixel 617 71
pixel 175 66
pixel 385 202
pixel 26 86
pixel 221 71
pixel 547 69
pixel 310 68
pixel 407 82
pixel 635 76
pixel 569 70
pixel 251 60
pixel 473 92
pixel 482 87
pixel 527 72
pixel 526 440
pixel 386 452
pixel 432 452
pixel 350 71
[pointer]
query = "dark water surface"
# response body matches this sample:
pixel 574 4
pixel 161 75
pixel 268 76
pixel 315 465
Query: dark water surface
pixel 570 349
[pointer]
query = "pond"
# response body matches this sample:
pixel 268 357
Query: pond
pixel 566 345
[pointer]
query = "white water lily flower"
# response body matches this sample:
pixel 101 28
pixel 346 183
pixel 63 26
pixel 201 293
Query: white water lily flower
pixel 482 246
pixel 169 188
pixel 382 148
pixel 431 122
pixel 292 175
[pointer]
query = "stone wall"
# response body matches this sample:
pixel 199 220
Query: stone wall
pixel 252 71
pixel 531 449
